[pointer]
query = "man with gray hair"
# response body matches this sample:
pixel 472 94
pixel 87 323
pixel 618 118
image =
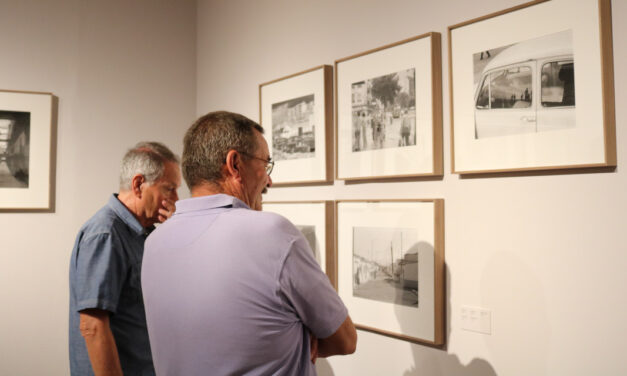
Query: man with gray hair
pixel 229 289
pixel 107 333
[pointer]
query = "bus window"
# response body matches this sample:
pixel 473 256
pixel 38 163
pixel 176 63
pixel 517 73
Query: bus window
pixel 558 84
pixel 483 99
pixel 511 88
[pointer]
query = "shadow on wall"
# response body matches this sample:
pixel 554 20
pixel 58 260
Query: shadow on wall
pixel 438 362
pixel 324 368
pixel 522 322
pixel 429 361
pixel 508 281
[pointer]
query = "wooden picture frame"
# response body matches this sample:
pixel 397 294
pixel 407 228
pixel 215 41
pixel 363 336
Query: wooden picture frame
pixel 27 151
pixel 297 114
pixel 391 267
pixel 389 111
pixel 542 97
pixel 316 220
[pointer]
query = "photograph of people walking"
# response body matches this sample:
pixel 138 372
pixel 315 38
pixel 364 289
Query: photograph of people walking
pixel 384 111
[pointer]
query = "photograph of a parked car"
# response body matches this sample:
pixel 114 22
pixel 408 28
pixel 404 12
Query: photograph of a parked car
pixel 14 149
pixel 525 87
pixel 385 264
pixel 293 129
pixel 384 111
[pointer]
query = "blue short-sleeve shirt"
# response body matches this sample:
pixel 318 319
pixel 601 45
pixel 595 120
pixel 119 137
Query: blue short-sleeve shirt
pixel 105 274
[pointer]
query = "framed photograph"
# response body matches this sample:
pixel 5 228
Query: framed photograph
pixel 532 88
pixel 316 220
pixel 389 111
pixel 27 125
pixel 391 267
pixel 297 114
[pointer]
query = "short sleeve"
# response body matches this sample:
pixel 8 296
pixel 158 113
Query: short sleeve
pixel 100 270
pixel 308 291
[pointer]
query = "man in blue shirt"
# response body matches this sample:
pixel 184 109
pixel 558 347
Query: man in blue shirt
pixel 107 333
pixel 231 290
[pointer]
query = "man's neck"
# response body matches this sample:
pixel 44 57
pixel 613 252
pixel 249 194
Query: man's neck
pixel 130 203
pixel 213 188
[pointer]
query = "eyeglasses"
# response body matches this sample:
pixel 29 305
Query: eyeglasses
pixel 269 162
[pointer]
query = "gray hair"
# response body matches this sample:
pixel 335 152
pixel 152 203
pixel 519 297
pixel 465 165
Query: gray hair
pixel 147 159
pixel 208 141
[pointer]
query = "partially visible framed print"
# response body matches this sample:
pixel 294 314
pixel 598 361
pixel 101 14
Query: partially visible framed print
pixel 532 88
pixel 391 267
pixel 315 219
pixel 389 111
pixel 297 114
pixel 26 154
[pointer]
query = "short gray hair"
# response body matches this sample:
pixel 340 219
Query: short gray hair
pixel 208 141
pixel 147 159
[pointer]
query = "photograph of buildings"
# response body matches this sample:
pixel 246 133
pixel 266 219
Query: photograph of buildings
pixel 293 129
pixel 385 264
pixel 14 149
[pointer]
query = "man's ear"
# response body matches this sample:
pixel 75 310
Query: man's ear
pixel 136 184
pixel 233 165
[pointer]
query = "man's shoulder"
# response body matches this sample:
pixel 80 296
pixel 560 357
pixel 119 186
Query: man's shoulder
pixel 104 221
pixel 267 222
pixel 264 218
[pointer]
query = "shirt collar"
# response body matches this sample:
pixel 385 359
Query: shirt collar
pixel 127 217
pixel 219 200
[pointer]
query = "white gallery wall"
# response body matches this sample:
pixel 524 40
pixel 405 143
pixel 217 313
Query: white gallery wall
pixel 124 71
pixel 545 253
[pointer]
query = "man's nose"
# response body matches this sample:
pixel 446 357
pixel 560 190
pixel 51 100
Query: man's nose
pixel 269 184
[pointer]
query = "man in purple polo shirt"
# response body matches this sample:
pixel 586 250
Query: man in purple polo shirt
pixel 228 289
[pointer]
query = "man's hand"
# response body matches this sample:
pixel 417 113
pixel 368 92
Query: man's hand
pixel 313 346
pixel 166 210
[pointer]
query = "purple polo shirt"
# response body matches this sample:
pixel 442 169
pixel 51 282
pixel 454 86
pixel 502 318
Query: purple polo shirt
pixel 233 291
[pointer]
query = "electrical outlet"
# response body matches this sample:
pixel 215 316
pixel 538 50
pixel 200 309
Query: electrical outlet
pixel 476 319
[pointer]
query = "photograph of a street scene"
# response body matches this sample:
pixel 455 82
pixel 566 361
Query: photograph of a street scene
pixel 309 232
pixel 293 129
pixel 385 265
pixel 384 111
pixel 14 149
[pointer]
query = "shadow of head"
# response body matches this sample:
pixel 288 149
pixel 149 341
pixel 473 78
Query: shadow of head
pixel 407 284
pixel 425 360
pixel 323 368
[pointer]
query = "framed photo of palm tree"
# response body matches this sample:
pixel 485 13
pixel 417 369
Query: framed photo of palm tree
pixel 389 111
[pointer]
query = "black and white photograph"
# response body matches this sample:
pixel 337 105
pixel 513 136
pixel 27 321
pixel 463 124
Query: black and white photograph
pixel 385 264
pixel 14 149
pixel 297 113
pixel 314 220
pixel 525 87
pixel 309 232
pixel 293 129
pixel 384 111
pixel 390 266
pixel 389 117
